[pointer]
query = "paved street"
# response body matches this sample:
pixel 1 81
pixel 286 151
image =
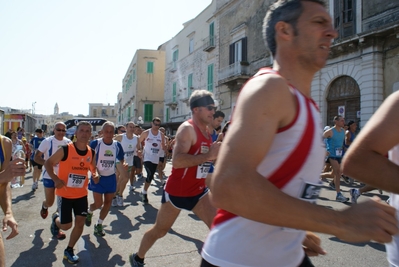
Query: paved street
pixel 125 226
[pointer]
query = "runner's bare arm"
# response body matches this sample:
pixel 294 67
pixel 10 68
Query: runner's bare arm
pixel 237 187
pixel 38 158
pixel 371 146
pixel 185 138
pixel 10 169
pixel 7 174
pixel 52 161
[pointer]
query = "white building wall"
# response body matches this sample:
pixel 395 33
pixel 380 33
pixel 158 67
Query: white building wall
pixel 365 68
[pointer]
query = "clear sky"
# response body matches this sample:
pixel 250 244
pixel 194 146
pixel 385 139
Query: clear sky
pixel 75 52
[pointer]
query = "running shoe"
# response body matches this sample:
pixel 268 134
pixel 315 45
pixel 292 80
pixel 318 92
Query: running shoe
pixel 133 262
pixel 341 198
pixel 33 186
pixel 119 201
pixel 44 212
pixel 144 198
pixel 114 202
pixel 139 176
pixel 98 230
pixel 88 218
pixel 346 179
pixel 70 256
pixel 132 187
pixel 54 228
pixel 332 185
pixel 355 194
pixel 61 235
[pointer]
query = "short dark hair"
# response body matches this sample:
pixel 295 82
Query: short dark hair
pixel 336 118
pixel 38 130
pixel 288 11
pixel 350 123
pixel 218 114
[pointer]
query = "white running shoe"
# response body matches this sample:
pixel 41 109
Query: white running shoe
pixel 341 198
pixel 119 201
pixel 114 202
pixel 355 194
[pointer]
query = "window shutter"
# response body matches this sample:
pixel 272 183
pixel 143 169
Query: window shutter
pixel 244 49
pixel 231 54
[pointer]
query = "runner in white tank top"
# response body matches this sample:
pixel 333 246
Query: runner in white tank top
pixel 154 142
pixel 128 141
pixel 271 157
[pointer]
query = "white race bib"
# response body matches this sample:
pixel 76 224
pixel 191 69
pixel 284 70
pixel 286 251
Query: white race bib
pixel 106 165
pixel 203 169
pixel 338 151
pixel 76 180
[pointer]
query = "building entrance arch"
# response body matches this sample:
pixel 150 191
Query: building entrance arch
pixel 343 98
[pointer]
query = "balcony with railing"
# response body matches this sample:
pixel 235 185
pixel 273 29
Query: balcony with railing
pixel 209 43
pixel 235 74
pixel 173 66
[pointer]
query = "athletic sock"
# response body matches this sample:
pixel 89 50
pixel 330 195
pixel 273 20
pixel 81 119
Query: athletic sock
pixel 100 221
pixel 143 192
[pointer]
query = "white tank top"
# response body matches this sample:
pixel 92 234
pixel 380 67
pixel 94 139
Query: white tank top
pixel 152 147
pixel 293 164
pixel 48 147
pixel 106 157
pixel 393 247
pixel 129 148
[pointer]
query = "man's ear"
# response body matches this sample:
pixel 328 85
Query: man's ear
pixel 283 30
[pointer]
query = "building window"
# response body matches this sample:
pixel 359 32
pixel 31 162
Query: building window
pixel 174 93
pixel 210 78
pixel 238 51
pixel 189 84
pixel 150 67
pixel 167 115
pixel 134 75
pixel 95 112
pixel 113 113
pixel 129 113
pixel 148 112
pixel 212 34
pixel 191 45
pixel 344 17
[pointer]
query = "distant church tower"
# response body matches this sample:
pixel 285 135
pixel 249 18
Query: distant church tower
pixel 56 109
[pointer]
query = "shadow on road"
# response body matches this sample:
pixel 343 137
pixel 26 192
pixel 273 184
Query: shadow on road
pixel 24 197
pixel 374 245
pixel 102 253
pixel 39 254
pixel 198 243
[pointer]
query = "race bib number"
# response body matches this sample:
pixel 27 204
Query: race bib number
pixel 204 149
pixel 129 155
pixel 203 170
pixel 310 192
pixel 106 164
pixel 155 151
pixel 338 152
pixel 76 180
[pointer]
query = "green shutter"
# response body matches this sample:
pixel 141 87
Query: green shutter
pixel 210 78
pixel 150 67
pixel 134 75
pixel 167 114
pixel 148 115
pixel 190 84
pixel 129 113
pixel 174 93
pixel 212 34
